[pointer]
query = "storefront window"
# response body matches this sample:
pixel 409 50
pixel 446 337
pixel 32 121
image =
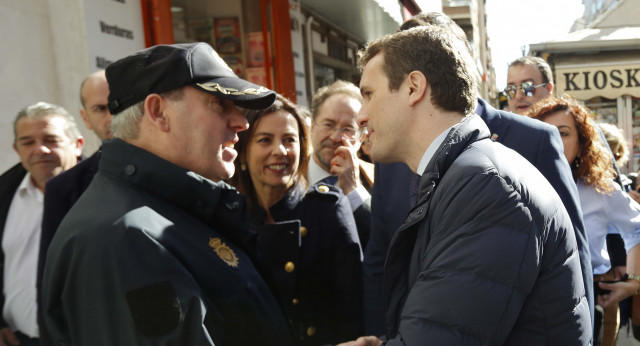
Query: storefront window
pixel 324 74
pixel 235 34
pixel 605 110
pixel 635 113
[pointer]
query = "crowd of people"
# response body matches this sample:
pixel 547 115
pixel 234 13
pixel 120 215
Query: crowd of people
pixel 401 211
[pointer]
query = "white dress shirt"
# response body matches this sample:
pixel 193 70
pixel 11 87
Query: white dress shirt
pixel 21 244
pixel 603 213
pixel 431 150
pixel 317 173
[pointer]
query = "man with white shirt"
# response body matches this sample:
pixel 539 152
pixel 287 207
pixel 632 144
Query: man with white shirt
pixel 335 137
pixel 48 143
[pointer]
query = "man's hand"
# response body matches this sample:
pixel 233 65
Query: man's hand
pixel 619 291
pixel 635 195
pixel 345 166
pixel 619 272
pixel 8 338
pixel 363 341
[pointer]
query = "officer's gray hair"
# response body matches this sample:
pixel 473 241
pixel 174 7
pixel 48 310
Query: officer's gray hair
pixel 43 109
pixel 126 124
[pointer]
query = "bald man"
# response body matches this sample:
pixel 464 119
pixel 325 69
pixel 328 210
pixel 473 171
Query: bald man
pixel 94 91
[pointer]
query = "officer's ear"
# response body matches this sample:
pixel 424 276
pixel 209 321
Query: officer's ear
pixel 156 110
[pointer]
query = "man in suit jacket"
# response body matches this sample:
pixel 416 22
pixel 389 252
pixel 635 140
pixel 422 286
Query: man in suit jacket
pixel 9 182
pixel 48 143
pixel 335 137
pixel 541 145
pixel 64 190
pixel 529 80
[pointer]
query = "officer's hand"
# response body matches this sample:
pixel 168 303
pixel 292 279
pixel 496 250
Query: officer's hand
pixel 363 341
pixel 8 338
pixel 345 166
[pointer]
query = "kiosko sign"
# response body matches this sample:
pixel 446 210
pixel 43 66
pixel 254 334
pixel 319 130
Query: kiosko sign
pixel 610 81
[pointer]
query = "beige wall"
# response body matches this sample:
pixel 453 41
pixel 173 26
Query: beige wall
pixel 44 58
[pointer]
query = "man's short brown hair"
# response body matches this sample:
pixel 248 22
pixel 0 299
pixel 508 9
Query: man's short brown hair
pixel 436 52
pixel 541 64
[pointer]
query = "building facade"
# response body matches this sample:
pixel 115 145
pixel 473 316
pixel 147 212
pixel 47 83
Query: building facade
pixel 599 64
pixel 291 46
pixel 470 15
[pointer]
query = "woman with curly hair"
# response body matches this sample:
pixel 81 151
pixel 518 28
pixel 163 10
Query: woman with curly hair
pixel 605 207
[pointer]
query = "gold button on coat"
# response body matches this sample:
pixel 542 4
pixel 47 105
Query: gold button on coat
pixel 289 267
pixel 323 188
pixel 303 231
pixel 311 331
pixel 296 301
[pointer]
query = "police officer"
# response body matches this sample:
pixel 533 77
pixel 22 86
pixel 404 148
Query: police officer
pixel 156 252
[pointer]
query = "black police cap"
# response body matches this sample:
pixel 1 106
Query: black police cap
pixel 163 68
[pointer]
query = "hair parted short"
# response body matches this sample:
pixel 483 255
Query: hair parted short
pixel 540 63
pixel 439 55
pixel 126 124
pixel 337 87
pixel 43 109
pixel 593 162
pixel 242 178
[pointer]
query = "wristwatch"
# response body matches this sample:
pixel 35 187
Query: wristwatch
pixel 628 277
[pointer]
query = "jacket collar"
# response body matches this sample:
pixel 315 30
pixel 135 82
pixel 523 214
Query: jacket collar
pixel 282 209
pixel 470 130
pixel 493 119
pixel 214 203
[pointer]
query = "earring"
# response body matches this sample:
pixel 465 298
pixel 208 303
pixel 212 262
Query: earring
pixel 243 166
pixel 576 163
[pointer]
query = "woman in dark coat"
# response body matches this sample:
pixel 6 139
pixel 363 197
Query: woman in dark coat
pixel 308 234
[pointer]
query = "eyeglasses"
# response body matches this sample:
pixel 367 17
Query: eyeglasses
pixel 351 132
pixel 527 88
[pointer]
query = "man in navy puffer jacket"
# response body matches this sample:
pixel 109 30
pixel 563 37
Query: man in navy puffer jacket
pixel 488 255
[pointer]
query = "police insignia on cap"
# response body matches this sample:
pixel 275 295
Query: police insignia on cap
pixel 224 252
pixel 212 86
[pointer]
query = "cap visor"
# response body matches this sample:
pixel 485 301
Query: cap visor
pixel 242 93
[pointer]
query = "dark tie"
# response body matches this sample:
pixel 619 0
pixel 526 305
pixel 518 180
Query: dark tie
pixel 330 180
pixel 414 190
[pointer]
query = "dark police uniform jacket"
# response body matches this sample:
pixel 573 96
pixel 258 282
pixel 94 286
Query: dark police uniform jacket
pixel 314 254
pixel 61 193
pixel 153 254
pixel 488 256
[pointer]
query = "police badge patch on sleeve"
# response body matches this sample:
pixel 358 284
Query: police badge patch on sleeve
pixel 155 309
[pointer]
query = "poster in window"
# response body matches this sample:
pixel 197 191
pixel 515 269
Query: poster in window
pixel 227 34
pixel 201 30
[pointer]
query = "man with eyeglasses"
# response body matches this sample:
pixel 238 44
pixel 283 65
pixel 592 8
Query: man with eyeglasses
pixel 335 137
pixel 529 80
